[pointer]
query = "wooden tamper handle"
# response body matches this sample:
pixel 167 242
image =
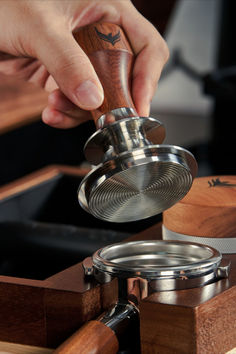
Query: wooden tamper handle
pixel 94 337
pixel 112 58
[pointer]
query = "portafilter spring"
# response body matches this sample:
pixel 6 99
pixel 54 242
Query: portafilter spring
pixel 135 177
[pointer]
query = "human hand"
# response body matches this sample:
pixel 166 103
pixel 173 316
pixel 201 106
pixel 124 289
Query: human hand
pixel 37 45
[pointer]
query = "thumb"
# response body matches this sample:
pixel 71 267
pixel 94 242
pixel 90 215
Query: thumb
pixel 70 68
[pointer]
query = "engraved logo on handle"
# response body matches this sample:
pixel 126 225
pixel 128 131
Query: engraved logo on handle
pixel 218 183
pixel 109 37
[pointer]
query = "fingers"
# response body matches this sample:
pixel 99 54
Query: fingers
pixel 70 68
pixel 152 54
pixel 58 119
pixel 50 84
pixel 62 113
pixel 21 68
pixel 146 74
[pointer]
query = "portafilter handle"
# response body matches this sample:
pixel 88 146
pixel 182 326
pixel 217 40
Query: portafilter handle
pixel 106 334
pixel 92 337
pixel 112 58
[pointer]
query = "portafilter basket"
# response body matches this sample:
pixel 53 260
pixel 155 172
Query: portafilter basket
pixel 135 177
pixel 157 265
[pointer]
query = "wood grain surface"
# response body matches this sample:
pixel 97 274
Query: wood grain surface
pixel 209 209
pixel 111 55
pixel 20 103
pixel 46 312
pixel 35 178
pixel 94 337
pixel 12 348
pixel 198 320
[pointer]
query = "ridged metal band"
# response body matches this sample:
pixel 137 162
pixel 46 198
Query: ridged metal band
pixel 226 245
pixel 114 115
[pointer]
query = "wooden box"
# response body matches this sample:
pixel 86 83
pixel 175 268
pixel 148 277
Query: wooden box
pixel 44 235
pixel 49 299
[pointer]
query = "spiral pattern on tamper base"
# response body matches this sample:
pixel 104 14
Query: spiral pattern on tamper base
pixel 140 191
pixel 138 184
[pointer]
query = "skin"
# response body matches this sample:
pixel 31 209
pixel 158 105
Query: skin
pixel 37 45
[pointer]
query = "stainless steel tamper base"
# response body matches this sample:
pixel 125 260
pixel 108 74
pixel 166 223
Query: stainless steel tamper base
pixel 138 184
pixel 124 134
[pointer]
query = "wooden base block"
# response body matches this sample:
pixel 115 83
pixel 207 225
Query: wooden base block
pixel 200 320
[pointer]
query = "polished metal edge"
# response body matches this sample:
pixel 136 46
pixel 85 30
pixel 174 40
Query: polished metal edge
pixel 139 284
pixel 151 153
pixel 123 135
pixel 115 115
pixel 204 266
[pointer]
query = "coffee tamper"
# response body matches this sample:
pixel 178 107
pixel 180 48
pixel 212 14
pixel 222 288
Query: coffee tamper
pixel 136 176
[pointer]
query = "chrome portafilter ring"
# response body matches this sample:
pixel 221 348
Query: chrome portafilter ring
pixel 144 267
pixel 156 259
pixel 139 184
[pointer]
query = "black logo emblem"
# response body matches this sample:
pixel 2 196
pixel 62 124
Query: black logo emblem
pixel 109 37
pixel 217 183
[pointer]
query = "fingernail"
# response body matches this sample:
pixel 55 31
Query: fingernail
pixel 88 95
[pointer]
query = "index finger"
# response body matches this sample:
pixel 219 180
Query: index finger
pixel 151 55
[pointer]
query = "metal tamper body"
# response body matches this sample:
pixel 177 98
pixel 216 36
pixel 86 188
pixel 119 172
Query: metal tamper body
pixel 136 175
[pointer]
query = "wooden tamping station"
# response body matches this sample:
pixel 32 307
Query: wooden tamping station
pixel 184 313
pixel 142 268
pixel 180 292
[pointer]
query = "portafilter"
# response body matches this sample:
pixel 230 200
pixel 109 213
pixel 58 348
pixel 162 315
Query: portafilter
pixel 157 265
pixel 135 177
pixel 141 268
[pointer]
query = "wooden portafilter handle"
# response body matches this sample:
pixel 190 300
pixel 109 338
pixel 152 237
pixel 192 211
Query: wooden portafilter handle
pixel 93 337
pixel 111 55
pixel 108 333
